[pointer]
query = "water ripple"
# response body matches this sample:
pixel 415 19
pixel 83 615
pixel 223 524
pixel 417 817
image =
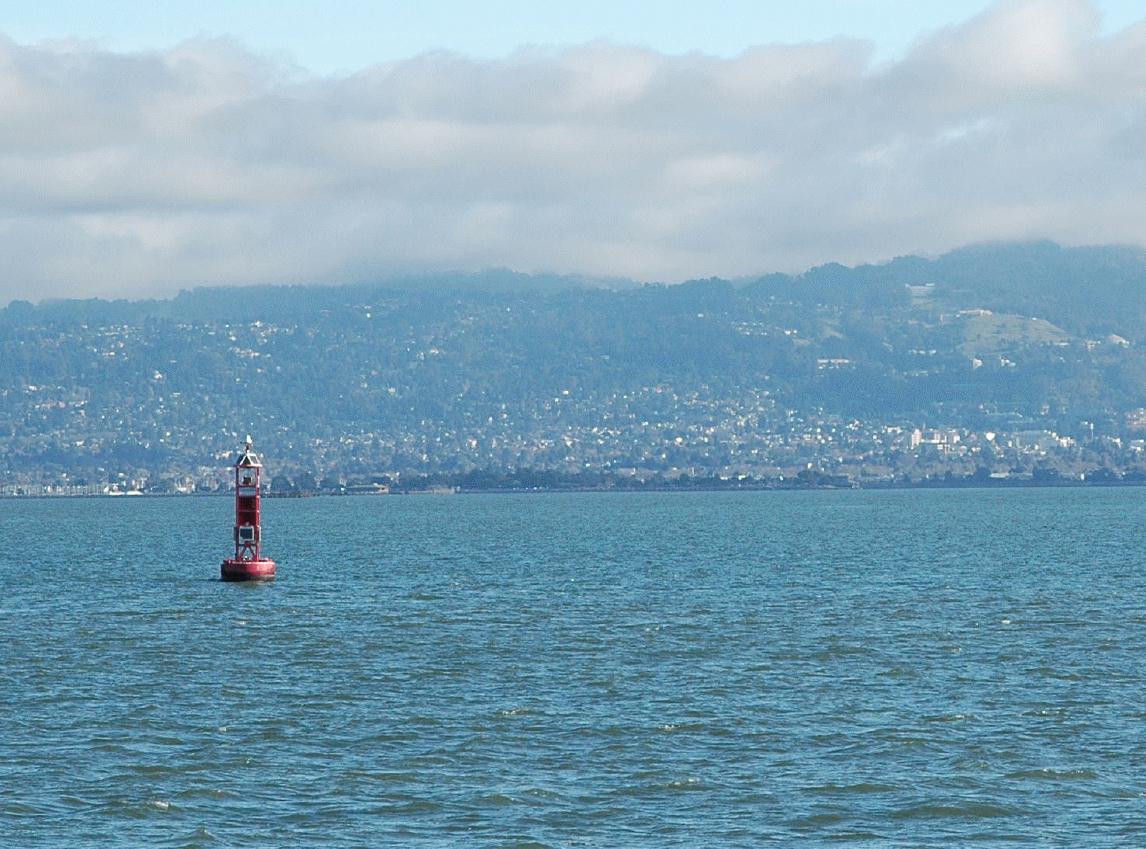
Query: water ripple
pixel 677 670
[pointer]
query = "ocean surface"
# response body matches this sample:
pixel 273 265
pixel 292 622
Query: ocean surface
pixel 876 669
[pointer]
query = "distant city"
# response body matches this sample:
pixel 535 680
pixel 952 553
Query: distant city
pixel 995 365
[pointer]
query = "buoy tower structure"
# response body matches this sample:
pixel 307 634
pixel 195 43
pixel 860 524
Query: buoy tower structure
pixel 248 564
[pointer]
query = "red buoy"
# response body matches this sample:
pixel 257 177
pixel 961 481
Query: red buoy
pixel 248 564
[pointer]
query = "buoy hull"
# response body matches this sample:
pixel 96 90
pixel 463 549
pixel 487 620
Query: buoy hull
pixel 248 570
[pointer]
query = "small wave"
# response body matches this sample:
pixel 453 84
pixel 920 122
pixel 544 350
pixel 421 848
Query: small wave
pixel 847 789
pixel 840 652
pixel 686 785
pixel 948 717
pixel 901 737
pixel 19 809
pixel 1048 774
pixel 497 800
pixel 962 810
pixel 199 837
pixel 112 749
pixel 412 806
pixel 134 809
pixel 1057 674
pixel 682 726
pixel 386 777
pixel 816 821
pixel 899 672
pixel 845 837
pixel 154 770
pixel 541 793
pixel 206 793
pixel 1046 713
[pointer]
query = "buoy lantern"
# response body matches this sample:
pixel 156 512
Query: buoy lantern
pixel 248 564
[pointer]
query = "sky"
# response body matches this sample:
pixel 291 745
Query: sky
pixel 146 148
pixel 342 36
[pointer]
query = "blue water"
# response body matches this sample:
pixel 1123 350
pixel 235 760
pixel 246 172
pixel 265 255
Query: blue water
pixel 817 669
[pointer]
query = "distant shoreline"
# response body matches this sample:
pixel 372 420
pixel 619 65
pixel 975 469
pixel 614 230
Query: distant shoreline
pixel 1003 483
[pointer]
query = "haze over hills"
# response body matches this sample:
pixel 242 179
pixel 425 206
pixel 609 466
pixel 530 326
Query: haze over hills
pixel 1023 359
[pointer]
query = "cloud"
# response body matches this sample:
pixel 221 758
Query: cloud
pixel 138 174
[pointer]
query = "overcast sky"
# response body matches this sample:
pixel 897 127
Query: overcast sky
pixel 137 164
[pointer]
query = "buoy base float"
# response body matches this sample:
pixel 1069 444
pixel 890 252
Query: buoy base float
pixel 248 570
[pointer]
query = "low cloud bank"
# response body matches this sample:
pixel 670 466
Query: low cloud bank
pixel 137 174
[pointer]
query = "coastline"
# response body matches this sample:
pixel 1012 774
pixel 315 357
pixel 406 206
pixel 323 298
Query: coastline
pixel 696 485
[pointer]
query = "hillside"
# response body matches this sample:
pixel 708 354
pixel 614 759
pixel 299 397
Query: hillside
pixel 489 372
